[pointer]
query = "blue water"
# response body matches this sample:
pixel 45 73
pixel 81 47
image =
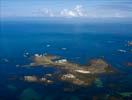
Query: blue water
pixel 84 41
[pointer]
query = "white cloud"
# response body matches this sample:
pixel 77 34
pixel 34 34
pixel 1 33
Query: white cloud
pixel 48 12
pixel 67 13
pixel 44 12
pixel 78 11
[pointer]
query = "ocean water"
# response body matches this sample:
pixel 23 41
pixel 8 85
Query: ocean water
pixel 83 42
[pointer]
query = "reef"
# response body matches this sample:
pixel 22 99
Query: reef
pixel 72 73
pixel 30 94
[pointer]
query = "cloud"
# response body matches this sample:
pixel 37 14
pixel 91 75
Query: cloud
pixel 44 12
pixel 48 12
pixel 78 11
pixel 90 12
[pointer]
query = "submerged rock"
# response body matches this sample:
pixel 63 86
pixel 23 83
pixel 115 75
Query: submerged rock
pixel 64 48
pixel 12 88
pixel 126 94
pixel 98 83
pixel 4 60
pixel 74 98
pixel 48 45
pixel 30 94
pixel 122 51
pixel 129 64
pixel 129 43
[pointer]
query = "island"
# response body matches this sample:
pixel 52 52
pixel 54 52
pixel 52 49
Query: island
pixel 70 72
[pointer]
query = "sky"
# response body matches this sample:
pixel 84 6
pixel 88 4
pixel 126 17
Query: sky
pixel 66 8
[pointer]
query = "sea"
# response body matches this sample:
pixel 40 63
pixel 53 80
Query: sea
pixel 76 41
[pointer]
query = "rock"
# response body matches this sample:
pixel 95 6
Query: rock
pixel 122 51
pixel 49 81
pixel 67 76
pixel 82 71
pixel 37 79
pixel 48 45
pixel 63 48
pixel 129 43
pixel 17 65
pixel 129 64
pixel 61 61
pixel 30 78
pixel 98 66
pixel 26 54
pixel 74 80
pixel 49 75
pixel 78 82
pixel 43 79
pixel 37 55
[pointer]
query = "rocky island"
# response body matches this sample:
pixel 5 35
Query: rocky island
pixel 70 72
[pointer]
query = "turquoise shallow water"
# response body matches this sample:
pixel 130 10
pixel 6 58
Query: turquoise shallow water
pixel 82 42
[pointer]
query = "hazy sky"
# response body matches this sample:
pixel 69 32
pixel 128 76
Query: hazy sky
pixel 66 8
